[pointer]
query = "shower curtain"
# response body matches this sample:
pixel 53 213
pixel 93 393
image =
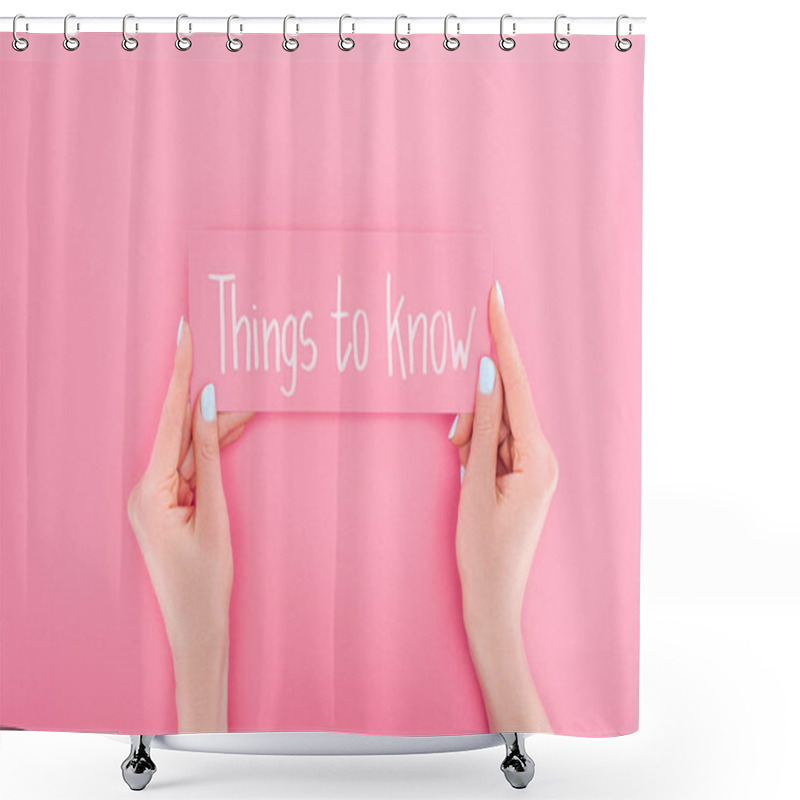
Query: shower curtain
pixel 389 475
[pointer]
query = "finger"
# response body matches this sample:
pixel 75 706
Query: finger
pixel 209 497
pixel 482 464
pixel 463 454
pixel 186 438
pixel 188 469
pixel 228 420
pixel 464 440
pixel 231 437
pixel 185 493
pixel 522 417
pixel 505 460
pixel 504 452
pixel 167 445
pixel 461 429
pixel 461 435
pixel 227 435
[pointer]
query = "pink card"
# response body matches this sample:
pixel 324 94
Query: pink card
pixel 339 320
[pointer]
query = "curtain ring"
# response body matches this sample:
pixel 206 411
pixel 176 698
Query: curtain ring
pixel 129 43
pixel 182 42
pixel 623 45
pixel 17 42
pixel 561 43
pixel 345 42
pixel 401 42
pixel 507 42
pixel 290 44
pixel 233 44
pixel 451 42
pixel 70 42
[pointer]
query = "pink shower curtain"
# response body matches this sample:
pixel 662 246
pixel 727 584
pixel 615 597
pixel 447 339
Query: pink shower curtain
pixel 326 182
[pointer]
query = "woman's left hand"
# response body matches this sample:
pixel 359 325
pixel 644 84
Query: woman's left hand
pixel 180 518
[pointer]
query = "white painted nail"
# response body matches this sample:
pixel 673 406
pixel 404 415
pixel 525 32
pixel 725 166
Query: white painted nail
pixel 453 428
pixel 499 293
pixel 462 473
pixel 180 329
pixel 208 403
pixel 486 375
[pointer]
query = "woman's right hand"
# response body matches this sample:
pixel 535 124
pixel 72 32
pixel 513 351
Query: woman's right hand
pixel 509 475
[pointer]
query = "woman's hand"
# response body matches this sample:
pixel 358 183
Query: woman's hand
pixel 509 474
pixel 178 512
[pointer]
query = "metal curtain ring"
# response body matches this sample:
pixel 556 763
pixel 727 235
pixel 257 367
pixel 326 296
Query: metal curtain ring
pixel 451 42
pixel 182 42
pixel 507 42
pixel 290 44
pixel 129 43
pixel 401 42
pixel 233 44
pixel 623 45
pixel 561 43
pixel 70 42
pixel 17 42
pixel 345 42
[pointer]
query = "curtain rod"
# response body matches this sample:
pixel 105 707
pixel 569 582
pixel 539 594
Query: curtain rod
pixel 190 24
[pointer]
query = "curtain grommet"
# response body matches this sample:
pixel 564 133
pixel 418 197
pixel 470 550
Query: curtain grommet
pixel 401 43
pixel 129 43
pixel 561 43
pixel 507 42
pixel 290 44
pixel 346 43
pixel 233 44
pixel 183 43
pixel 17 42
pixel 622 44
pixel 451 43
pixel 71 43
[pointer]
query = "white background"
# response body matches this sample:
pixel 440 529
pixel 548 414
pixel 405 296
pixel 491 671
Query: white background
pixel 721 451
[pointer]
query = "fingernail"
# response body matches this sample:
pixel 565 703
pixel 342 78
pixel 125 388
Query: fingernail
pixel 208 402
pixel 462 473
pixel 453 428
pixel 499 293
pixel 180 329
pixel 486 375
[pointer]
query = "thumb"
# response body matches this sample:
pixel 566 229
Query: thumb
pixel 211 511
pixel 482 462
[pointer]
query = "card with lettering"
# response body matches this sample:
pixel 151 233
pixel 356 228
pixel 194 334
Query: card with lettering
pixel 339 320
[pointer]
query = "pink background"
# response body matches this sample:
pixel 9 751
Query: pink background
pixel 443 276
pixel 346 604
